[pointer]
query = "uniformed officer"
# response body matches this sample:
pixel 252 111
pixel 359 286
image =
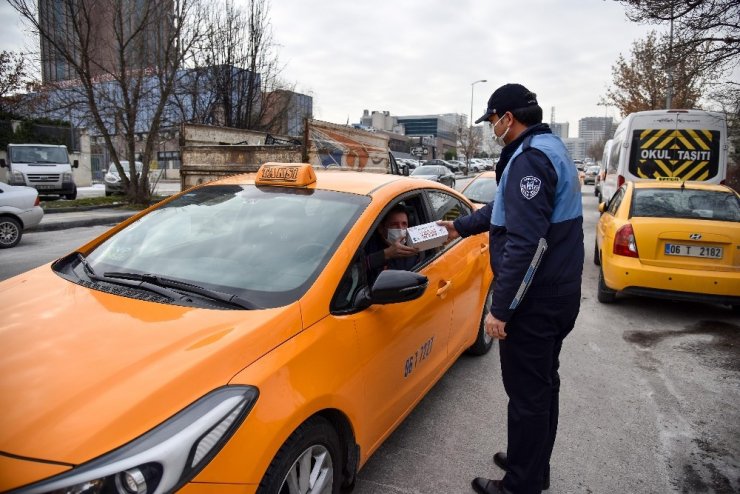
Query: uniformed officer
pixel 535 226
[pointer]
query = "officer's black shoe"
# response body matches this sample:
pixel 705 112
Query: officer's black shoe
pixel 488 486
pixel 500 460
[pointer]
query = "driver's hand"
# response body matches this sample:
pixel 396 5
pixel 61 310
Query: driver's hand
pixel 399 249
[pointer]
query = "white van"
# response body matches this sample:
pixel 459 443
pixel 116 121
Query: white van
pixel 680 145
pixel 45 167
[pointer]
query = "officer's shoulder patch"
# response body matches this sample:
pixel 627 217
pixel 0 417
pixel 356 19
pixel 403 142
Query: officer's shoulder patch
pixel 529 186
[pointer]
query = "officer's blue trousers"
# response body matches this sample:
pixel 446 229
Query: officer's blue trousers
pixel 529 367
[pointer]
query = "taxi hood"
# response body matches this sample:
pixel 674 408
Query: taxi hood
pixel 83 372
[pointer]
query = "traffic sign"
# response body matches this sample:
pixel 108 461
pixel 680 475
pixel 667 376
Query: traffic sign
pixel 419 151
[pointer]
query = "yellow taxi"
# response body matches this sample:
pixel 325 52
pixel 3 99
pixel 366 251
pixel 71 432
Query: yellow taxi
pixel 667 239
pixel 482 189
pixel 227 340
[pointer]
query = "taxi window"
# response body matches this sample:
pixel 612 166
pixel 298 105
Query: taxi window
pixel 686 203
pixel 446 207
pixel 616 201
pixel 264 244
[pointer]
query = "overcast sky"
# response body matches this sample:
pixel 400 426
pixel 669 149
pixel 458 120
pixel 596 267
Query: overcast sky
pixel 413 57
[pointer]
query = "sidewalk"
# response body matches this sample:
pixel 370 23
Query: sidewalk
pixel 92 217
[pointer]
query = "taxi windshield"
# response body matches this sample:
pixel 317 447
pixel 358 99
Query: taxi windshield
pixel 263 244
pixel 481 190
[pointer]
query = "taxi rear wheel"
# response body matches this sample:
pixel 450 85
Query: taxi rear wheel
pixel 604 294
pixel 483 342
pixel 597 257
pixel 308 463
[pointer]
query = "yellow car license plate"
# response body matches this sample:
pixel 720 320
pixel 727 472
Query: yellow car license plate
pixel 693 251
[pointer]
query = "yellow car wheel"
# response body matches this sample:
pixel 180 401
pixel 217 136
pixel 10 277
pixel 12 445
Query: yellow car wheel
pixel 604 294
pixel 483 342
pixel 308 463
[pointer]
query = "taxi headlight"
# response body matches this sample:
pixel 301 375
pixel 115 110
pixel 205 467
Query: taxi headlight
pixel 166 457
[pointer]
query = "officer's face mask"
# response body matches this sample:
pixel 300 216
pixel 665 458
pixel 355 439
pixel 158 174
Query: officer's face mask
pixel 499 139
pixel 394 234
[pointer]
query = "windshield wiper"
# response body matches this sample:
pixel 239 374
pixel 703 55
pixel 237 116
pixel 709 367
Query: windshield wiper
pixel 145 284
pixel 187 287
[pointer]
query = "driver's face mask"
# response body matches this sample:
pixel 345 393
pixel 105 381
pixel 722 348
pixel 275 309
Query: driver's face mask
pixel 394 234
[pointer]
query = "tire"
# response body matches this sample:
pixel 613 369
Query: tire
pixel 597 257
pixel 483 342
pixel 73 195
pixel 316 441
pixel 604 294
pixel 452 184
pixel 11 232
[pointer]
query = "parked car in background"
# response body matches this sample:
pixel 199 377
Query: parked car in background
pixel 590 174
pixel 459 165
pixel 438 162
pixel 482 189
pixel 112 180
pixel 679 241
pixel 19 210
pixel 45 167
pixel 216 344
pixel 437 173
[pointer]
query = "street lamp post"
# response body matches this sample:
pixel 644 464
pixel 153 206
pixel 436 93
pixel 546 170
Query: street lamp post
pixel 472 87
pixel 470 129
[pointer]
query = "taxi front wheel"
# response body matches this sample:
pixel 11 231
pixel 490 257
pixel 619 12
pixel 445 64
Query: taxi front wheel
pixel 483 342
pixel 308 463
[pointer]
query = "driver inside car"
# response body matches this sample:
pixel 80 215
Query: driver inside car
pixel 387 248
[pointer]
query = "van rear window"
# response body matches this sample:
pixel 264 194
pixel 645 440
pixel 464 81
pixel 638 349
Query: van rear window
pixel 688 154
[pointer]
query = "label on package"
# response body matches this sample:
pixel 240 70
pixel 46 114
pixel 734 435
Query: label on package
pixel 426 236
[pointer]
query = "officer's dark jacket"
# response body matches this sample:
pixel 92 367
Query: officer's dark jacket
pixel 535 222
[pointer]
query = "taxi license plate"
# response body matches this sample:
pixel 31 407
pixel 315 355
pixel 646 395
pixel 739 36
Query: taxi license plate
pixel 693 251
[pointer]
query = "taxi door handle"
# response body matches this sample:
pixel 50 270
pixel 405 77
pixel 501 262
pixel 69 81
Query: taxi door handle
pixel 483 248
pixel 443 287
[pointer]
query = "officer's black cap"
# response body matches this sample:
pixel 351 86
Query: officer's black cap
pixel 507 98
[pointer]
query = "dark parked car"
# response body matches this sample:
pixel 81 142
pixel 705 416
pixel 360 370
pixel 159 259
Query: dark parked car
pixel 450 166
pixel 437 173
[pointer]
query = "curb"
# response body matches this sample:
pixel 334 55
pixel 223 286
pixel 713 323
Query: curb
pixel 112 205
pixel 64 225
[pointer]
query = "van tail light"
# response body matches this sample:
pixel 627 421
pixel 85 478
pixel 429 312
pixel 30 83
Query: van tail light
pixel 37 201
pixel 620 181
pixel 624 242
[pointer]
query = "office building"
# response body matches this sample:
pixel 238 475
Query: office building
pixel 595 129
pixel 145 49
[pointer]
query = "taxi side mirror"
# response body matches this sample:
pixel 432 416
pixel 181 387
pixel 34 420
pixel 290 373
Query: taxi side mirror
pixel 392 287
pixel 602 207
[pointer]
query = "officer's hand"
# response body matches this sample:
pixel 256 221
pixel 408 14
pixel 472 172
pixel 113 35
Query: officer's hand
pixel 494 327
pixel 399 249
pixel 452 233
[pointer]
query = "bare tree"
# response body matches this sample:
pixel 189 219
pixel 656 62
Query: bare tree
pixel 14 76
pixel 235 67
pixel 596 150
pixel 469 138
pixel 121 81
pixel 641 82
pixel 710 27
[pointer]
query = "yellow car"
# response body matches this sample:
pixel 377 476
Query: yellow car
pixel 482 189
pixel 672 240
pixel 226 340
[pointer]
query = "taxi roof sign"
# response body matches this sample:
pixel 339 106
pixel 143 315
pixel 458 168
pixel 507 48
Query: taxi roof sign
pixel 286 174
